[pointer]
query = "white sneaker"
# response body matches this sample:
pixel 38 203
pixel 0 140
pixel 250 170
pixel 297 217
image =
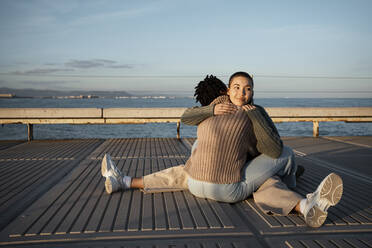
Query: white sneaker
pixel 113 184
pixel 328 193
pixel 114 177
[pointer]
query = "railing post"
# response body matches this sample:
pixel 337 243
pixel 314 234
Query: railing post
pixel 315 128
pixel 178 129
pixel 30 131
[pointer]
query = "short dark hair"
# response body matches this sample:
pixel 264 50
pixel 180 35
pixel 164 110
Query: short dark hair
pixel 241 74
pixel 208 89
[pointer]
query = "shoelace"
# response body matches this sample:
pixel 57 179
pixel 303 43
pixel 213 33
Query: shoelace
pixel 323 204
pixel 114 170
pixel 310 202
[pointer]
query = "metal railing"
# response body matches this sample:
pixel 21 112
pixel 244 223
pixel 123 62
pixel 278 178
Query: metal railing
pixel 30 116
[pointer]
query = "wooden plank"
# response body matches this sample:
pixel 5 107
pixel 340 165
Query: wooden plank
pixel 54 121
pixel 319 112
pixel 85 207
pixel 159 212
pixel 135 214
pixel 321 119
pixel 110 213
pixel 32 189
pixel 195 212
pixel 147 213
pixel 132 152
pixel 297 220
pixel 41 215
pixel 77 203
pixel 15 171
pixel 121 222
pixel 268 219
pixel 148 207
pixel 112 208
pixel 355 242
pixel 51 149
pixel 180 147
pixel 134 219
pixel 5 144
pixel 56 169
pixel 159 203
pixel 35 113
pixel 284 221
pixel 209 215
pixel 98 205
pixel 137 121
pixel 72 196
pixel 10 168
pixel 184 211
pixel 172 113
pixel 114 149
pixel 228 215
pixel 341 243
pixel 171 211
pixel 326 243
pixel 143 112
pixel 22 181
pixel 170 208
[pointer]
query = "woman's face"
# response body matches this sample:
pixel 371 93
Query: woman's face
pixel 240 91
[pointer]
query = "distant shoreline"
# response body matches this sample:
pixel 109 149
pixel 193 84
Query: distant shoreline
pixel 11 93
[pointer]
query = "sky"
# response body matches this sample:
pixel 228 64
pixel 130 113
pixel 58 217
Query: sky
pixel 318 48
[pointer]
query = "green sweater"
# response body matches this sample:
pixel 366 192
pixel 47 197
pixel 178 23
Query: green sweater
pixel 268 138
pixel 226 142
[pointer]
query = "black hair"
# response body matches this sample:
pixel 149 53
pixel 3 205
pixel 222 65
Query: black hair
pixel 208 89
pixel 241 74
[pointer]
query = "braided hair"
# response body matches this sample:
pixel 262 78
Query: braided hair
pixel 208 89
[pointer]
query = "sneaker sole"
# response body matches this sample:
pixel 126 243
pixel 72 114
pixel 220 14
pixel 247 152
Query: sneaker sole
pixel 104 166
pixel 315 217
pixel 332 189
pixel 109 185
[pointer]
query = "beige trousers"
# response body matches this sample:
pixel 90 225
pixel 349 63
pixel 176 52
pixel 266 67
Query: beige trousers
pixel 272 197
pixel 171 179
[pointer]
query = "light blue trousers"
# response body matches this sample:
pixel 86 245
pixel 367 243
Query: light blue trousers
pixel 254 174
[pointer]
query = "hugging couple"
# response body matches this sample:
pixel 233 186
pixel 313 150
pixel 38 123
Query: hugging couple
pixel 238 152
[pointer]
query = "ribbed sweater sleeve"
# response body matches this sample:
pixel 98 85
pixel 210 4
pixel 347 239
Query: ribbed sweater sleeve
pixel 268 138
pixel 193 116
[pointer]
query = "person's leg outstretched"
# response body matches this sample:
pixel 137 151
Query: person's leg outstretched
pixel 170 179
pixel 115 180
pixel 314 207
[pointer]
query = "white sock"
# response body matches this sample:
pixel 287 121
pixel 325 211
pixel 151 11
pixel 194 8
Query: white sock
pixel 302 205
pixel 127 181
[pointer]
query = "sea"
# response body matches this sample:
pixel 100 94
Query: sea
pixel 154 130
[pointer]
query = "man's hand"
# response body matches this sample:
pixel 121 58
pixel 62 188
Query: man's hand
pixel 248 107
pixel 225 109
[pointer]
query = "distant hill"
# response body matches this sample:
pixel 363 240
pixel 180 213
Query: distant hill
pixel 59 93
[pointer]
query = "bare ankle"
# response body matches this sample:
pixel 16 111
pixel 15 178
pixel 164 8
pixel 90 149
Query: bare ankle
pixel 137 183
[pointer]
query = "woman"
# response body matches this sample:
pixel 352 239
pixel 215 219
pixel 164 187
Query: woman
pixel 230 132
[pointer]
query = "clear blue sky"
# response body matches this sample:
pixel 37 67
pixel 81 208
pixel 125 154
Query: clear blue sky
pixel 170 45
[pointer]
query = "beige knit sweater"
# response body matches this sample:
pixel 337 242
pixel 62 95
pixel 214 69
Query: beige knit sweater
pixel 226 142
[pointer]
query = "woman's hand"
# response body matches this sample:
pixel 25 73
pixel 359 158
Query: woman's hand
pixel 248 107
pixel 224 109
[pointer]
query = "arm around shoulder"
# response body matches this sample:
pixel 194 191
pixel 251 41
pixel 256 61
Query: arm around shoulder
pixel 268 138
pixel 193 116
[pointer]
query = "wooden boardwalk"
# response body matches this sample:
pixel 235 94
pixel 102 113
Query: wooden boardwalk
pixel 52 195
